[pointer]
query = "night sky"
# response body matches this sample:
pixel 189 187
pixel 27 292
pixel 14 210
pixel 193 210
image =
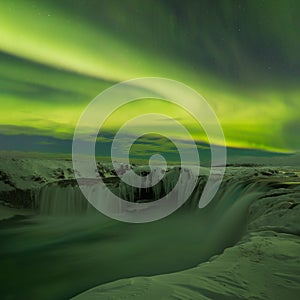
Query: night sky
pixel 242 56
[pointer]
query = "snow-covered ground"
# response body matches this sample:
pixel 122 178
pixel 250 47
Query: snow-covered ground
pixel 259 205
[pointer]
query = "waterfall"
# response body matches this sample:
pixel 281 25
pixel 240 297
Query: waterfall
pixel 98 193
pixel 56 199
pixel 155 192
pixel 66 198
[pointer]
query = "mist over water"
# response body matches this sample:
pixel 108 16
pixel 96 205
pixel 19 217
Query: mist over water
pixel 58 257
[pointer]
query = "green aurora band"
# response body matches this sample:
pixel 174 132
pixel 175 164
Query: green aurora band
pixel 242 56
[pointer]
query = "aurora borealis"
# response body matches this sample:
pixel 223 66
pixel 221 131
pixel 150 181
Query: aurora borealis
pixel 242 56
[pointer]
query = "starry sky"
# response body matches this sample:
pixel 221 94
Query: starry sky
pixel 243 57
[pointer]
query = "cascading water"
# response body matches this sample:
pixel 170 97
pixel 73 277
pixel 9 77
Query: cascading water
pixel 66 198
pixel 163 187
pixel 55 199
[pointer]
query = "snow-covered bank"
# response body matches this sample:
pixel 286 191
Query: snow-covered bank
pixel 265 266
pixel 257 206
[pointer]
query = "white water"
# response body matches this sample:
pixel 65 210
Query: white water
pixel 67 199
pixel 54 199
